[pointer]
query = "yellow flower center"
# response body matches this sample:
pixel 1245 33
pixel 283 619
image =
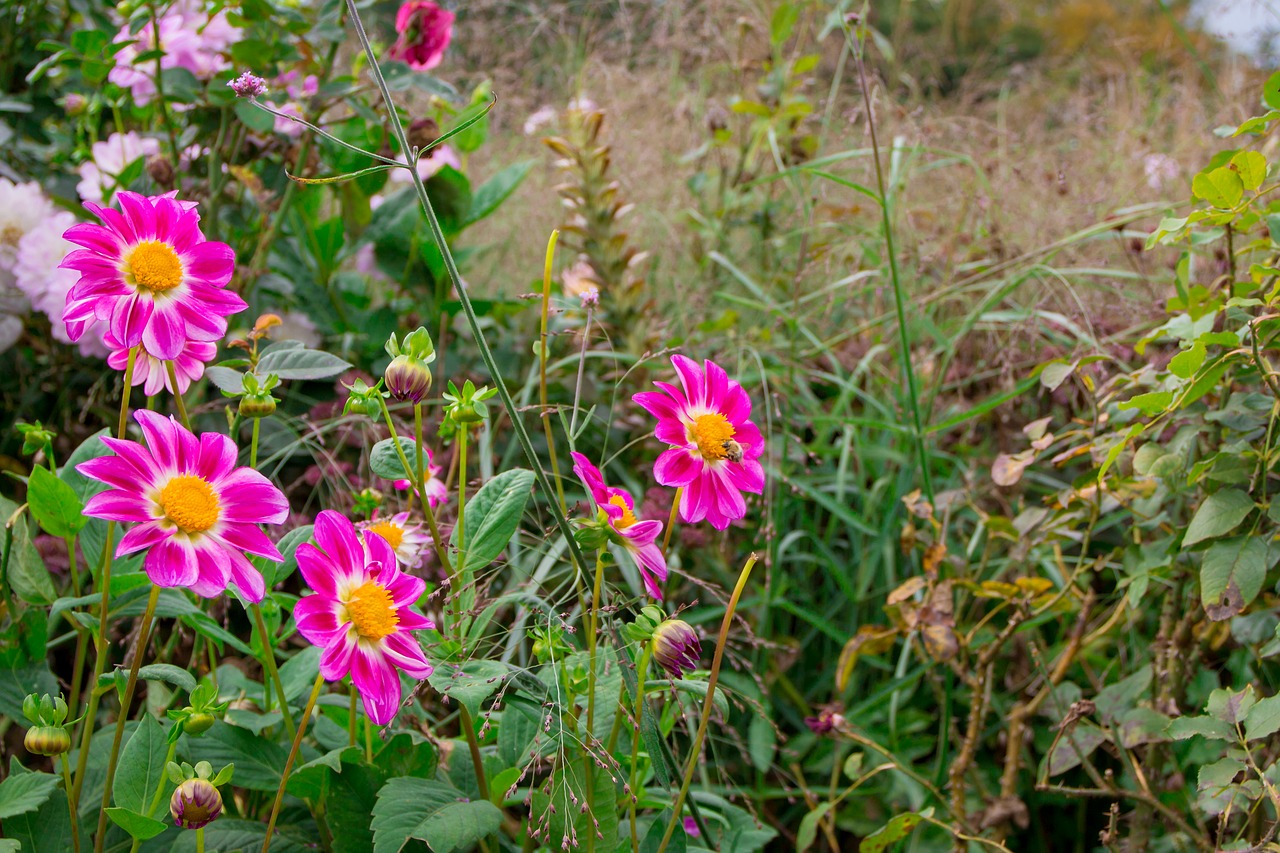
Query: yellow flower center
pixel 390 531
pixel 371 611
pixel 711 432
pixel 190 503
pixel 154 266
pixel 628 517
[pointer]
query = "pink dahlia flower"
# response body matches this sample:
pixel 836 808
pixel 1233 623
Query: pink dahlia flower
pixel 425 30
pixel 150 275
pixel 637 537
pixel 46 285
pixel 407 540
pixel 437 494
pixel 714 443
pixel 193 509
pixel 152 374
pixel 361 613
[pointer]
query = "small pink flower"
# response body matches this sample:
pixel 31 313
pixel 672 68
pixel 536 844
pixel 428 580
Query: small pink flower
pixel 248 85
pixel 714 443
pixel 194 511
pixel 152 374
pixel 407 540
pixel 437 494
pixel 150 275
pixel 361 613
pixel 637 537
pixel 425 30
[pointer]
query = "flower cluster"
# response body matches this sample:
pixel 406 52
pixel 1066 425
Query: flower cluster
pixel 189 38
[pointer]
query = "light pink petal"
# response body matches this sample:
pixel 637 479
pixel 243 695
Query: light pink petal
pixel 161 434
pixel 172 563
pixel 338 656
pixel 215 569
pixel 165 335
pixel 337 536
pixel 677 467
pixel 379 685
pixel 246 577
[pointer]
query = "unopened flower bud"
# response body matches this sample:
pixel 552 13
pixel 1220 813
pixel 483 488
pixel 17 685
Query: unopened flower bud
pixel 195 803
pixel 423 132
pixel 160 170
pixel 198 723
pixel 828 720
pixel 408 378
pixel 676 647
pixel 47 740
pixel 257 405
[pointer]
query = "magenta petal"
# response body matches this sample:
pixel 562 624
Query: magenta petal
pixel 405 653
pixel 380 551
pixel 210 261
pixel 172 563
pixel 412 620
pixel 128 318
pixel 695 500
pixel 337 536
pixel 247 537
pixel 317 569
pixel 111 470
pixel 337 657
pixel 116 505
pixel 691 378
pixel 215 569
pixel 250 497
pixel 379 685
pixel 317 619
pixel 405 589
pixel 659 405
pixel 677 467
pixel 247 578
pixel 165 335
pixel 642 532
pixel 747 476
pixel 217 456
pixel 142 536
pixel 161 434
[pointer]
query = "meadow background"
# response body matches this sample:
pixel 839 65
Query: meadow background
pixel 1016 578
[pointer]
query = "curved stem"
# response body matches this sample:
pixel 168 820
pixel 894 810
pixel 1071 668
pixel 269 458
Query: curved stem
pixel 71 802
pixel 139 649
pixel 104 582
pixel 709 704
pixel 441 552
pixel 269 661
pixel 642 672
pixel 542 369
pixel 164 777
pixel 177 396
pixel 293 755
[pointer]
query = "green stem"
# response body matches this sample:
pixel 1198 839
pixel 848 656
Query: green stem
pixel 671 519
pixel 139 650
pixel 353 719
pixel 288 764
pixel 368 739
pixel 451 267
pixel 441 552
pixel 418 454
pixel 177 396
pixel 164 777
pixel 104 580
pixel 462 495
pixel 269 662
pixel 642 672
pixel 469 729
pixel 709 704
pixel 542 369
pixel 75 569
pixel 200 840
pixel 253 444
pixel 588 755
pixel 71 801
pixel 904 338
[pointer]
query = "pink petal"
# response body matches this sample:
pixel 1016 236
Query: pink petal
pixel 161 434
pixel 677 467
pixel 317 569
pixel 403 651
pixel 217 456
pixel 142 536
pixel 246 577
pixel 248 537
pixel 118 506
pixel 317 618
pixel 338 656
pixel 215 569
pixel 165 335
pixel 172 563
pixel 691 378
pixel 379 685
pixel 337 536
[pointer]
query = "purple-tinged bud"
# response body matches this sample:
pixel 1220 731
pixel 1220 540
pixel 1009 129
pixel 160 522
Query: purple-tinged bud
pixel 47 740
pixel 676 647
pixel 828 720
pixel 195 803
pixel 408 378
pixel 248 85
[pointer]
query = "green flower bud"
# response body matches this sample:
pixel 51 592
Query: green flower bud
pixel 47 740
pixel 408 378
pixel 257 405
pixel 198 723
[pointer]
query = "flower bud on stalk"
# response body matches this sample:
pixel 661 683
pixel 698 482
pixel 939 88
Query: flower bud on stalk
pixel 676 647
pixel 47 736
pixel 195 803
pixel 47 740
pixel 408 377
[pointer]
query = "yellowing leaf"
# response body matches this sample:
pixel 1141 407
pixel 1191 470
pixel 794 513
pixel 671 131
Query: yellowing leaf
pixel 1221 187
pixel 1251 167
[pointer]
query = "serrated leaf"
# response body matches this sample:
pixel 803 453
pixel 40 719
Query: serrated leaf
pixel 1231 575
pixel 300 363
pixel 1182 728
pixel 55 505
pixel 1217 515
pixel 1231 706
pixel 24 793
pixel 493 516
pixel 1263 719
pixel 430 811
pixel 1114 699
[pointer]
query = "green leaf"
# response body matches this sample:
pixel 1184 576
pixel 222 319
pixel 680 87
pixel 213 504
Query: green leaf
pixel 808 831
pixel 47 829
pixel 1055 373
pixel 762 741
pixel 1183 728
pixel 169 674
pixel 234 835
pixel 1271 91
pixel 259 762
pixel 492 517
pixel 1251 167
pixel 893 831
pixel 1263 719
pixel 1231 575
pixel 299 363
pixel 137 825
pixel 1188 361
pixel 1221 187
pixel 433 812
pixel 1150 404
pixel 347 176
pixel 1114 699
pixel 385 462
pixel 470 684
pixel 493 192
pixel 27 575
pixel 54 505
pixel 24 793
pixel 298 673
pixel 141 766
pixel 783 23
pixel 1231 706
pixel 1217 516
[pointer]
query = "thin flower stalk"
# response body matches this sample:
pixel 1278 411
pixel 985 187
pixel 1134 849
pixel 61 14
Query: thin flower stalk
pixel 642 672
pixel 441 551
pixel 139 649
pixel 288 764
pixel 100 657
pixel 72 805
pixel 709 704
pixel 177 395
pixel 588 755
pixel 269 659
pixel 543 354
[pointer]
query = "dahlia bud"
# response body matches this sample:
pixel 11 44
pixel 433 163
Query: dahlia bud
pixel 195 803
pixel 423 132
pixel 248 85
pixel 198 723
pixel 676 647
pixel 257 405
pixel 408 378
pixel 828 719
pixel 47 740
